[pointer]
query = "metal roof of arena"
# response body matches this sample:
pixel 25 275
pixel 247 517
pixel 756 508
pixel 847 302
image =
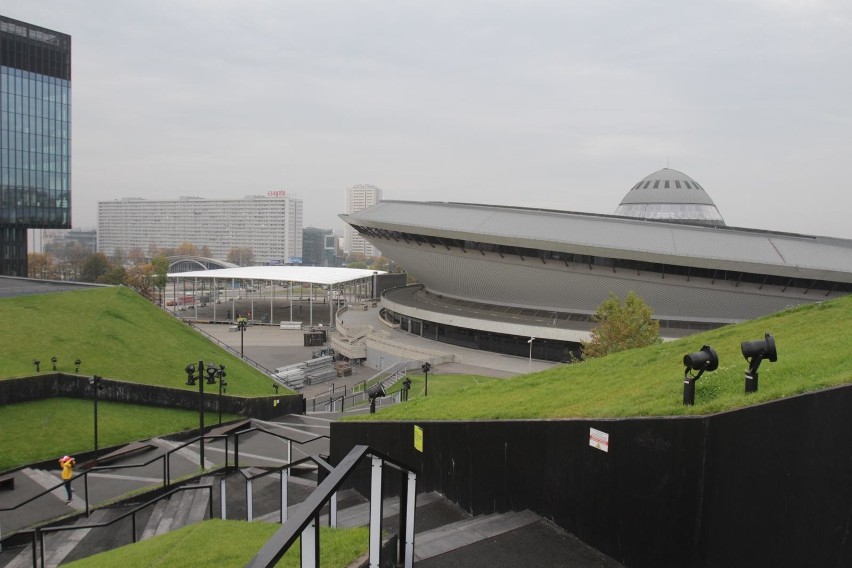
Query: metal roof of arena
pixel 310 274
pixel 725 248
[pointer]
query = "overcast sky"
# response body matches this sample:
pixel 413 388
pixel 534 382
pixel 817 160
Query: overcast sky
pixel 562 104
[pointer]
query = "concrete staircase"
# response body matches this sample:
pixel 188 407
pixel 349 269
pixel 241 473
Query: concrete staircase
pixel 181 509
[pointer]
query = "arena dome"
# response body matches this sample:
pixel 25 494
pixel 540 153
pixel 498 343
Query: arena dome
pixel 670 195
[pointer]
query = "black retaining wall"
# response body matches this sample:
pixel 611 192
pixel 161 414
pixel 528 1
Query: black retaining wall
pixel 770 485
pixel 77 386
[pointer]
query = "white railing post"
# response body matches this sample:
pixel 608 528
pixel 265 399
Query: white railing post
pixel 309 543
pixel 249 501
pixel 376 513
pixel 411 496
pixel 285 474
pixel 223 498
pixel 332 511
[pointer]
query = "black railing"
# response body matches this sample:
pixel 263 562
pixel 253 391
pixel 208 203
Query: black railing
pixel 166 457
pixel 290 442
pixel 252 474
pixel 304 524
pixel 39 533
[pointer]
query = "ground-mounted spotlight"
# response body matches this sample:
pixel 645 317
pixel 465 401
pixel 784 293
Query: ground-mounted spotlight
pixel 704 360
pixel 37 364
pixel 755 352
pixel 275 386
pixel 211 374
pixel 190 375
pixel 77 365
pixel 373 393
pixel 53 360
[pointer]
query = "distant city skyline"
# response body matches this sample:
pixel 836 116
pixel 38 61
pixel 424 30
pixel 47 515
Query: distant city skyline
pixel 540 104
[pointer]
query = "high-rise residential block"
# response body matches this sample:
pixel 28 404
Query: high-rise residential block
pixel 358 198
pixel 270 225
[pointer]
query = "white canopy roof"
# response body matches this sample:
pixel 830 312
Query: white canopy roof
pixel 311 274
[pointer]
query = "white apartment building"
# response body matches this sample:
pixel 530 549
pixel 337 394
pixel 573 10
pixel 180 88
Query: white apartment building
pixel 358 198
pixel 270 225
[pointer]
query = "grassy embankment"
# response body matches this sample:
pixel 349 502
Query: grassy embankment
pixel 225 544
pixel 813 353
pixel 118 335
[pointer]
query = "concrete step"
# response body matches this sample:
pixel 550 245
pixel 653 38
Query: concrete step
pixel 57 546
pixel 198 506
pixel 184 498
pixel 169 513
pixel 154 520
pixel 463 533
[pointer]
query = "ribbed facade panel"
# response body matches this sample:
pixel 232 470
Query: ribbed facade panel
pixel 553 286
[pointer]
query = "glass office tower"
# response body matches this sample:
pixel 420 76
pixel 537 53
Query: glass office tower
pixel 35 137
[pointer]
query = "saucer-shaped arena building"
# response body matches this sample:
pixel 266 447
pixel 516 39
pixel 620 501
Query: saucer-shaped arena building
pixel 492 277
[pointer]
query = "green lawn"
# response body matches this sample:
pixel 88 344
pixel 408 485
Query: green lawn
pixel 813 353
pixel 45 429
pixel 116 334
pixel 226 544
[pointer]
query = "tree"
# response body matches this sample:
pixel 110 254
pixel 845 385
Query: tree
pixel 186 249
pixel 136 255
pixel 95 266
pixel 119 257
pixel 241 256
pixel 115 275
pixel 42 266
pixel 357 264
pixel 205 252
pixel 140 278
pixel 379 263
pixel 159 272
pixel 622 326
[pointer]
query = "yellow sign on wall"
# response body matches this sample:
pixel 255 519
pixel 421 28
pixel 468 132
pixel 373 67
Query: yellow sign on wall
pixel 418 438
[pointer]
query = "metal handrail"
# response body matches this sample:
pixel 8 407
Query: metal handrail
pixel 264 471
pixel 303 524
pixel 85 474
pixel 290 442
pixel 38 533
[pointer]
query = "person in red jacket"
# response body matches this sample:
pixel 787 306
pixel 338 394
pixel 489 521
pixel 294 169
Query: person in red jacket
pixel 67 464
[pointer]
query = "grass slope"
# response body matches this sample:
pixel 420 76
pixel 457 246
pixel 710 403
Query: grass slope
pixel 116 334
pixel 813 353
pixel 60 426
pixel 225 544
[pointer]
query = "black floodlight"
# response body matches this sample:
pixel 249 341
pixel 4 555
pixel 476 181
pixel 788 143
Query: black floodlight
pixel 95 381
pixel 375 392
pixel 37 364
pixel 211 374
pixel 275 386
pixel 700 361
pixel 755 352
pixel 53 360
pixel 77 366
pixel 190 375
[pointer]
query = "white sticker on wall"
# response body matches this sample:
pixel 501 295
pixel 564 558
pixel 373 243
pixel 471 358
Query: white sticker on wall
pixel 599 440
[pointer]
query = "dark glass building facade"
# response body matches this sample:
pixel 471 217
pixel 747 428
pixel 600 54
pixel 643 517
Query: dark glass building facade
pixel 318 247
pixel 35 137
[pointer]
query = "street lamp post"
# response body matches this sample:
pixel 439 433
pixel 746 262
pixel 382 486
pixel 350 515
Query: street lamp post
pixel 529 366
pixel 241 324
pixel 211 378
pixel 95 381
pixel 190 381
pixel 426 367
